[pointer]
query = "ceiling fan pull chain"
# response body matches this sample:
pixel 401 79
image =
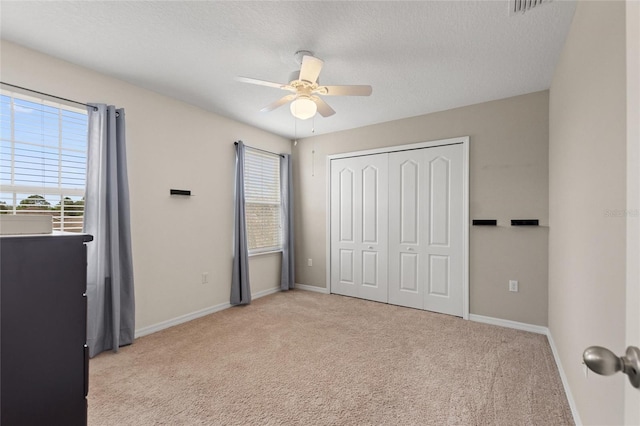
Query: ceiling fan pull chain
pixel 313 160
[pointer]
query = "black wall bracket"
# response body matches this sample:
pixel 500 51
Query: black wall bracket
pixel 524 222
pixel 180 192
pixel 485 222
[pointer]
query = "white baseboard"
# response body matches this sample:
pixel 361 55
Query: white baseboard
pixel 565 381
pixel 197 314
pixel 263 293
pixel 179 320
pixel 312 288
pixel 540 330
pixel 509 324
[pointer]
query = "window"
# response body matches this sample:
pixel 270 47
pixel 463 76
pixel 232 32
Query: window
pixel 262 201
pixel 43 159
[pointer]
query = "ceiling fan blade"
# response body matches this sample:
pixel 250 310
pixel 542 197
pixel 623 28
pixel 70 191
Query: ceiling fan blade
pixel 345 90
pixel 323 108
pixel 265 83
pixel 278 103
pixel 310 69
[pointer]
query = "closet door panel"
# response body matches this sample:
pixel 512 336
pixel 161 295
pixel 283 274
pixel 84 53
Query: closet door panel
pixel 408 204
pixel 372 229
pixel 370 214
pixel 359 227
pixel 409 273
pixel 444 281
pixel 406 270
pixel 343 239
pixel 425 229
pixel 346 190
pixel 439 202
pixel 346 266
pixel 439 283
pixel 370 269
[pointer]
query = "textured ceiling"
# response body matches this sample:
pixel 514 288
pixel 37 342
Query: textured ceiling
pixel 419 56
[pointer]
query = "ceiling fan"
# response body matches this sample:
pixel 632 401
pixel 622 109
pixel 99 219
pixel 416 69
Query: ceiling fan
pixel 305 88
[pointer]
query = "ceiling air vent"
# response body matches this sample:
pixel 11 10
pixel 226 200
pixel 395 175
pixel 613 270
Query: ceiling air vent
pixel 522 6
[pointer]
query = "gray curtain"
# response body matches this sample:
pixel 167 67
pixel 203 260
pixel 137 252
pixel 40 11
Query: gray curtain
pixel 110 297
pixel 287 280
pixel 240 288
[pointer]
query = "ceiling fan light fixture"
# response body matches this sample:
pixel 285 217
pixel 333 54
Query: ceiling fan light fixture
pixel 303 108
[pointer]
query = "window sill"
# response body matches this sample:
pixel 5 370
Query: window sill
pixel 260 253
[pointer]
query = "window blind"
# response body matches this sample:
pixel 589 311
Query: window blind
pixel 262 200
pixel 43 159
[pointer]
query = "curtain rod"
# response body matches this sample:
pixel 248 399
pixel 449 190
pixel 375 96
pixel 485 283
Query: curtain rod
pixel 47 94
pixel 263 150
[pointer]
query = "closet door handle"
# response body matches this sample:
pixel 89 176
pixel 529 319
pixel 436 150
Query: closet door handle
pixel 410 249
pixel 370 247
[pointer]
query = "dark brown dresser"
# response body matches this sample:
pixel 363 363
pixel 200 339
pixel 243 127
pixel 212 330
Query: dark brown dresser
pixel 44 363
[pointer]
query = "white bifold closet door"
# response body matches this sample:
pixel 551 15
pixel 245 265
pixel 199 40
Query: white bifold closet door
pixel 397 228
pixel 359 227
pixel 426 229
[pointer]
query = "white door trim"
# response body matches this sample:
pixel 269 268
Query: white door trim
pixel 464 140
pixel 632 396
pixel 406 147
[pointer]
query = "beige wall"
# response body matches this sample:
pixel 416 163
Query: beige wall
pixel 587 162
pixel 170 144
pixel 508 179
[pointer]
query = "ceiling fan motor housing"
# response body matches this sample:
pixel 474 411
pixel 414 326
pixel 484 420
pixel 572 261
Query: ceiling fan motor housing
pixel 295 76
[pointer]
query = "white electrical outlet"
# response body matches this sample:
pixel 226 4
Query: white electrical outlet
pixel 513 285
pixel 205 277
pixel 309 262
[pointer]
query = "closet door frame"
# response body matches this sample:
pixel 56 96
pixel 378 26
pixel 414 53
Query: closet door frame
pixel 464 141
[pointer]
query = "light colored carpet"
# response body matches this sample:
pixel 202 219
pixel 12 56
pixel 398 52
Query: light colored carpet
pixel 303 358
